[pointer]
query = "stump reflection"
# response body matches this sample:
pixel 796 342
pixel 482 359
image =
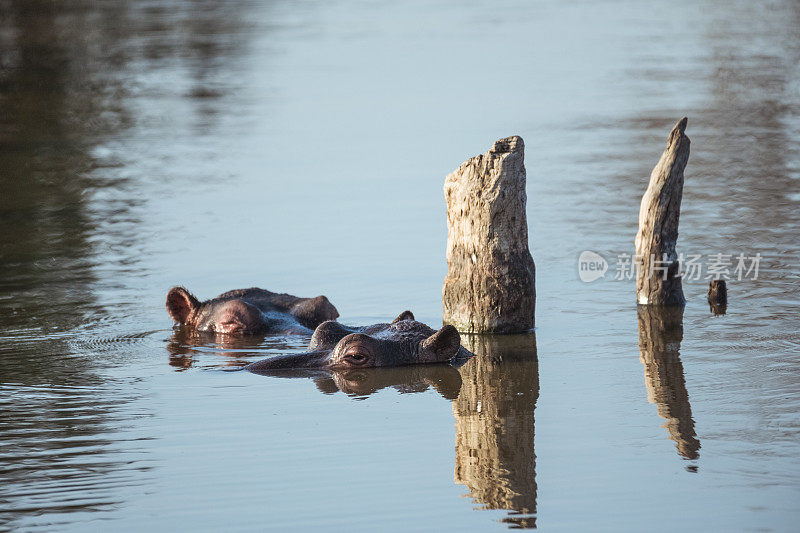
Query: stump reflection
pixel 494 417
pixel 660 336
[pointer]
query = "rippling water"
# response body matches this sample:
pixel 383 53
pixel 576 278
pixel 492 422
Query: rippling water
pixel 302 147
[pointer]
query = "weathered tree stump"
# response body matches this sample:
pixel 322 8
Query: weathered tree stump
pixel 490 283
pixel 658 278
pixel 718 296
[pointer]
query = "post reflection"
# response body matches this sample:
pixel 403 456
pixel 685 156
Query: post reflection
pixel 660 336
pixel 494 418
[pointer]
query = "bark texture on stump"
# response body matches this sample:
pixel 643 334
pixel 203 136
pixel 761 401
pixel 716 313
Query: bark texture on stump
pixel 490 283
pixel 658 279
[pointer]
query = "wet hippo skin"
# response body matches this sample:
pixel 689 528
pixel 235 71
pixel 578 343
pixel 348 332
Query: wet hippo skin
pixel 401 342
pixel 249 311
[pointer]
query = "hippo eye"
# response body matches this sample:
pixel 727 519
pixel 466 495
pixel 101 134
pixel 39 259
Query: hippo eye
pixel 356 358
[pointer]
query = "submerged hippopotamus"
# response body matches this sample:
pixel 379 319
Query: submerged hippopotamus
pixel 402 342
pixel 249 311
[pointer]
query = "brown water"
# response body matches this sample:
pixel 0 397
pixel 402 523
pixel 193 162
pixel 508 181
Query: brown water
pixel 302 147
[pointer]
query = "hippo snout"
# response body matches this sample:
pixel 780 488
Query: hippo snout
pixel 318 359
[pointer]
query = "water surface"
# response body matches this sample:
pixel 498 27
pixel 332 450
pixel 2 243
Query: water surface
pixel 302 147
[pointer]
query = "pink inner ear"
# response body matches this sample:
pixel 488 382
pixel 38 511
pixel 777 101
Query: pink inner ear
pixel 180 304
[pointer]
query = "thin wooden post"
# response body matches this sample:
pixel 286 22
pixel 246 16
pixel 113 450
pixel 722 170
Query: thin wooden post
pixel 658 278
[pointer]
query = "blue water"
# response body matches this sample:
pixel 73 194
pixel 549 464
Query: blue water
pixel 302 147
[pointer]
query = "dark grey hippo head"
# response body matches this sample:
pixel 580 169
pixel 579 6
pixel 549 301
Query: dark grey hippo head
pixel 401 342
pixel 249 311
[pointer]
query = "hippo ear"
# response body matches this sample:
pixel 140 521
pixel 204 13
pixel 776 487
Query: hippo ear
pixel 311 312
pixel 180 304
pixel 405 315
pixel 441 346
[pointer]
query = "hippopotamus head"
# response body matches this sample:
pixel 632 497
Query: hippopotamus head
pixel 249 311
pixel 402 342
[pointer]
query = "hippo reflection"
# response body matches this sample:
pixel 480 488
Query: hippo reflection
pixel 445 379
pixel 401 342
pixel 249 311
pixel 187 349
